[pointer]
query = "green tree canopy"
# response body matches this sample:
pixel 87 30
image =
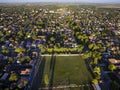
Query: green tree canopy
pixel 46 79
pixel 13 77
pixel 25 59
pixel 112 67
pixel 52 39
pixel 20 50
pixel 95 81
pixel 97 70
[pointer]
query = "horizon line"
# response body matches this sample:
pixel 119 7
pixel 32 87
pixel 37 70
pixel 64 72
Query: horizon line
pixel 77 2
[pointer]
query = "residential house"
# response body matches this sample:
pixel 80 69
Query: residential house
pixel 113 61
pixel 4 76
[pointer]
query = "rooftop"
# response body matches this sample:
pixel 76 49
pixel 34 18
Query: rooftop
pixel 113 60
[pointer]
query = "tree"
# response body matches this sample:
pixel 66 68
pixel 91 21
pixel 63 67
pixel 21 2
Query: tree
pixel 22 84
pixel 97 70
pixel 87 55
pixel 76 28
pixel 20 34
pixel 42 48
pixel 13 77
pixel 96 57
pixel 46 79
pixel 112 67
pixel 20 50
pixel 95 81
pixel 95 47
pixel 25 82
pixel 2 39
pixel 77 34
pixel 25 59
pixel 5 51
pixel 97 77
pixel 80 49
pixel 91 46
pixel 52 39
pixel 49 50
pixel 10 59
pixel 95 62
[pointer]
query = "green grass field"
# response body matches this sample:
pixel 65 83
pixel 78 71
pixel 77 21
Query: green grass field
pixel 63 70
pixel 70 69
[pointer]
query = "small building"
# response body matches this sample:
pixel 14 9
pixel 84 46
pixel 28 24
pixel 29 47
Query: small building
pixel 113 61
pixel 39 38
pixel 92 37
pixel 25 72
pixel 116 32
pixel 4 77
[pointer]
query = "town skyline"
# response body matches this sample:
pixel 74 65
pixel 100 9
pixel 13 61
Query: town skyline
pixel 61 1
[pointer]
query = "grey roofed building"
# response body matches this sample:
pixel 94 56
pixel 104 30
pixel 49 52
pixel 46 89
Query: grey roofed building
pixel 4 77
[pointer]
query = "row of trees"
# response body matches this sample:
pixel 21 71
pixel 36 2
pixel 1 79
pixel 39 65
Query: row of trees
pixel 62 50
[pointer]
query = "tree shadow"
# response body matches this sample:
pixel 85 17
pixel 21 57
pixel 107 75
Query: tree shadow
pixel 51 72
pixel 37 83
pixel 89 68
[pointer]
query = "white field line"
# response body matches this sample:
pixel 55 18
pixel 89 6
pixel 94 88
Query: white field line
pixel 64 86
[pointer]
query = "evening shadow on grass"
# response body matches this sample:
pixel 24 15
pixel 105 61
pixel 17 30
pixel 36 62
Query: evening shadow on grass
pixel 39 77
pixel 51 72
pixel 89 68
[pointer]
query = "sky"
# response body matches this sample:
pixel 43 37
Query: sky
pixel 83 1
